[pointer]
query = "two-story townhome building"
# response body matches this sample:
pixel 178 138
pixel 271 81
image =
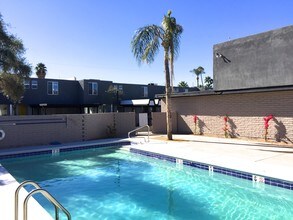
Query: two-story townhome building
pixel 56 96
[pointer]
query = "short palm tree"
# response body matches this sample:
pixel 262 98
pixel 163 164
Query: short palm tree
pixel 208 82
pixel 183 84
pixel 41 70
pixel 198 72
pixel 145 45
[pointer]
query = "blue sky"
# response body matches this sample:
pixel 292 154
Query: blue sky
pixel 90 39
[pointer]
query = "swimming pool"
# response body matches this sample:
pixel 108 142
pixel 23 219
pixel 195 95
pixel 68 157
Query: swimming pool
pixel 116 184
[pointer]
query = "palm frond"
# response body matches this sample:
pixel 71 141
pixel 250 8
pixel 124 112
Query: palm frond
pixel 176 39
pixel 146 42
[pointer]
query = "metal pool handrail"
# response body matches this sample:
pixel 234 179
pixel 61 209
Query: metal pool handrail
pixel 48 196
pixel 45 193
pixel 134 130
pixel 24 183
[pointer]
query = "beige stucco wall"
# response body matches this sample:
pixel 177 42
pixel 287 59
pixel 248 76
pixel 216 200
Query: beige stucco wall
pixel 159 122
pixel 43 130
pixel 245 112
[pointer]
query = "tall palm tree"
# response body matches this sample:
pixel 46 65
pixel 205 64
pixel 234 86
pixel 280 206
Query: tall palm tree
pixel 41 70
pixel 145 45
pixel 198 72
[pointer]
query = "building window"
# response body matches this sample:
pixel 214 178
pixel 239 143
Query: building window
pixel 176 90
pixel 53 88
pixel 93 88
pixel 186 90
pixel 145 91
pixel 26 84
pixel 34 84
pixel 118 87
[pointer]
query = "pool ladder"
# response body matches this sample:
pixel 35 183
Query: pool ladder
pixel 134 130
pixel 37 190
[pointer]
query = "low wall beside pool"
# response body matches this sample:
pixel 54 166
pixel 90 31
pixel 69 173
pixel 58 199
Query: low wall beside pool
pixel 54 129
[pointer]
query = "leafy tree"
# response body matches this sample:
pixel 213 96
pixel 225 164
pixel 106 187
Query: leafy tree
pixel 41 70
pixel 114 90
pixel 13 66
pixel 198 72
pixel 9 81
pixel 208 82
pixel 11 53
pixel 145 46
pixel 116 93
pixel 183 84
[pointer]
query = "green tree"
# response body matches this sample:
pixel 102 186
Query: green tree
pixel 13 66
pixel 41 70
pixel 145 46
pixel 8 81
pixel 183 84
pixel 208 82
pixel 198 72
pixel 11 53
pixel 116 94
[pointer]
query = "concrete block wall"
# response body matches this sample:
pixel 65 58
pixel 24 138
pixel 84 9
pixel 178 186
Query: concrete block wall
pixel 125 122
pixel 159 123
pixel 47 129
pixel 245 111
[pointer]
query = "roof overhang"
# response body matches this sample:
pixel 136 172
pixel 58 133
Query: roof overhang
pixel 227 92
pixel 141 102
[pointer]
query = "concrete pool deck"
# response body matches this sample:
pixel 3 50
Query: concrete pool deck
pixel 264 159
pixel 8 186
pixel 260 158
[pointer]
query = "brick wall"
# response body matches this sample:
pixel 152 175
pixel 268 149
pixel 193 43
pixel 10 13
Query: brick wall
pixel 245 111
pixel 45 129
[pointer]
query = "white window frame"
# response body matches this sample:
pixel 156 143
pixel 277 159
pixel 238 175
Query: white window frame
pixel 34 84
pixel 145 91
pixel 93 86
pixel 54 87
pixel 26 84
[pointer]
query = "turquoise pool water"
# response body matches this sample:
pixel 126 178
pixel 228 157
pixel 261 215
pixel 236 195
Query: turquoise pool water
pixel 115 184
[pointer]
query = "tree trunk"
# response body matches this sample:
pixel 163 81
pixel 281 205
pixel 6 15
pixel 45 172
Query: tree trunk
pixel 197 81
pixel 168 96
pixel 201 80
pixel 172 77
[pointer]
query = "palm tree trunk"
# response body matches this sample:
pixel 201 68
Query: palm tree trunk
pixel 197 81
pixel 172 77
pixel 168 96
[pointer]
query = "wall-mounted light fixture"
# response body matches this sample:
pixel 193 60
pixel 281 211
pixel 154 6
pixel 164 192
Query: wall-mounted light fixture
pixel 225 59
